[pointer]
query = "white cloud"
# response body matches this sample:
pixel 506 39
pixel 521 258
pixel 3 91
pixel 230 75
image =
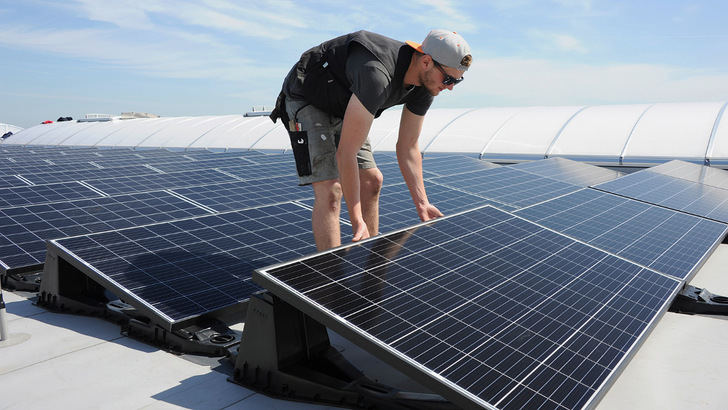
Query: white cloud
pixel 125 14
pixel 556 42
pixel 198 57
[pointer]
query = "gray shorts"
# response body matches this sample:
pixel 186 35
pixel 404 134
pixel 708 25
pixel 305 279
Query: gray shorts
pixel 322 132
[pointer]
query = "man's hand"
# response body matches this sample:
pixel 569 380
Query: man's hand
pixel 428 212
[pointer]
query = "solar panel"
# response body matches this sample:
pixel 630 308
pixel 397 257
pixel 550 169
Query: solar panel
pixel 454 164
pixel 671 192
pixel 565 170
pixel 668 241
pixel 507 185
pixel 154 182
pixel 39 194
pixel 177 271
pixel 75 165
pixel 693 172
pixel 484 308
pixel 39 178
pixel 247 194
pixel 24 230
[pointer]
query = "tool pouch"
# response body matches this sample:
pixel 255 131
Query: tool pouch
pixel 299 143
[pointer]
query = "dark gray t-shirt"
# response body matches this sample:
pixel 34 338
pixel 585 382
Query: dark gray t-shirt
pixel 374 87
pixel 372 84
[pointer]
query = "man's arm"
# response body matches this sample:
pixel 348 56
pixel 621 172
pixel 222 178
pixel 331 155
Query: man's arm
pixel 410 163
pixel 354 131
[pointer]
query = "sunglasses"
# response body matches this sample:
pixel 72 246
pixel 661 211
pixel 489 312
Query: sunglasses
pixel 448 78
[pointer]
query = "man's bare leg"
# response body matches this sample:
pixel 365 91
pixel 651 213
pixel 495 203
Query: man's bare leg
pixel 325 216
pixel 370 183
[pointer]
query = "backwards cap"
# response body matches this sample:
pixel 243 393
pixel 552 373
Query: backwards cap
pixel 447 48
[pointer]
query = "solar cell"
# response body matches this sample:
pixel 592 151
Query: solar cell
pixel 176 271
pixel 484 308
pixel 507 185
pixel 671 192
pixel 671 242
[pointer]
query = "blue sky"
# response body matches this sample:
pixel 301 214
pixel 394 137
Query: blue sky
pixel 218 57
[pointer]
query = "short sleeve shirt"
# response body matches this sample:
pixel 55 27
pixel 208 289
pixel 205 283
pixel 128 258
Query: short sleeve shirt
pixel 376 89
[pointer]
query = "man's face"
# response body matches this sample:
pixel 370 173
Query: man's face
pixel 434 75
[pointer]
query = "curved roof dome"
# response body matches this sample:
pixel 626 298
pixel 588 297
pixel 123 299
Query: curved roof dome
pixel 635 134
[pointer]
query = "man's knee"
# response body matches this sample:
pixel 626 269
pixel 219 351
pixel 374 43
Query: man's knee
pixel 371 181
pixel 328 193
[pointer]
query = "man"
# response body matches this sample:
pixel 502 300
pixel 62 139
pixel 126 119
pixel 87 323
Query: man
pixel 328 102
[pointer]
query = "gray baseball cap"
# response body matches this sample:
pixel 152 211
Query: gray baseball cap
pixel 447 48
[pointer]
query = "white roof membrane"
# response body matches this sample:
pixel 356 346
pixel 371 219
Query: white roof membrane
pixel 630 134
pixel 529 134
pixel 598 132
pixel 668 131
pixel 472 131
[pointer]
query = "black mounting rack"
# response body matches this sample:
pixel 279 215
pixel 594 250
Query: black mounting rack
pixel 694 300
pixel 22 282
pixel 286 354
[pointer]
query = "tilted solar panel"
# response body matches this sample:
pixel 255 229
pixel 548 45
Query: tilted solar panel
pixel 454 164
pixel 671 192
pixel 175 272
pixel 24 230
pixel 565 170
pixel 246 194
pixel 153 182
pixel 507 185
pixel 667 241
pixel 484 308
pixel 41 194
pixel 693 172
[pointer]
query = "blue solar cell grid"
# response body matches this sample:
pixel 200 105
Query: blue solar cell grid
pixel 246 194
pixel 24 230
pixel 484 308
pixel 693 172
pixel 508 186
pixel 671 192
pixel 568 171
pixel 665 240
pixel 39 194
pixel 179 270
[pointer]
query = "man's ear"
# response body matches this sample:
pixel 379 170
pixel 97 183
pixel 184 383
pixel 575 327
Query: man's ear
pixel 426 60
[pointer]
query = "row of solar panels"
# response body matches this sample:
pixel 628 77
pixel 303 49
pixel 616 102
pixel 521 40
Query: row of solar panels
pixel 666 240
pixel 181 246
pixel 120 202
pixel 84 164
